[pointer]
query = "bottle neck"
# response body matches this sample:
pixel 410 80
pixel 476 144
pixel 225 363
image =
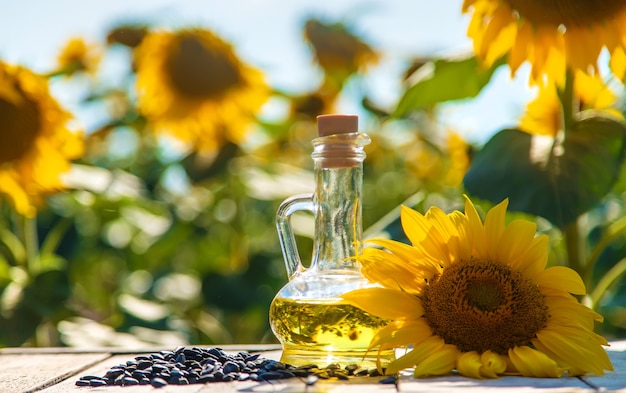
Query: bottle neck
pixel 338 226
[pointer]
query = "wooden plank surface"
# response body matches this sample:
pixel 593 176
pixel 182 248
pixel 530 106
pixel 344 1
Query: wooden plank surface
pixel 30 372
pixel 50 370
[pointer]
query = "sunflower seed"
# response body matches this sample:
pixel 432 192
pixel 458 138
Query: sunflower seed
pixel 206 365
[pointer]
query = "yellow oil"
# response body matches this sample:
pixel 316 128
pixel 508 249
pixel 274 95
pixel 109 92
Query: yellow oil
pixel 325 332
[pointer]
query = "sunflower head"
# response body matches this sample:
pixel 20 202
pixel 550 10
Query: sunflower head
pixel 309 106
pixel 553 36
pixel 202 67
pixel 339 52
pixel 475 295
pixel 544 115
pixel 35 144
pixel 192 85
pixel 127 35
pixel 78 56
pixel 441 163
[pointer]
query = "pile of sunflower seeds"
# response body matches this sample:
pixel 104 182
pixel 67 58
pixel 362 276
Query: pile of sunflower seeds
pixel 196 365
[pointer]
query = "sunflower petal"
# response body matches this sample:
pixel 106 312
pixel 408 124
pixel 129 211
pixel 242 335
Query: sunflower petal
pixel 516 238
pixel 582 48
pixel 421 352
pixel 493 364
pixel 430 231
pixel 487 365
pixel 521 48
pixel 386 303
pixel 467 4
pixel 469 364
pixel 393 272
pixel 532 363
pixel 499 34
pixel 441 221
pixel 407 253
pixel 554 65
pixel 567 311
pixel 399 334
pixel 441 362
pixel 17 194
pixel 541 53
pixel 534 260
pixel 414 224
pixel 563 278
pixel 460 246
pixel 475 228
pixel 618 63
pixel 494 222
pixel 573 348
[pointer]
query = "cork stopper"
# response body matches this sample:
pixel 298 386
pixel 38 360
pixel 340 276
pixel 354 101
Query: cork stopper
pixel 337 124
pixel 339 144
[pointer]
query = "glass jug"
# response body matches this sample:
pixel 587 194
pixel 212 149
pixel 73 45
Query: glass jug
pixel 307 314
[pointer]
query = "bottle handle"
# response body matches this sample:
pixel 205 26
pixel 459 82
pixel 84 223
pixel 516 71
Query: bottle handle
pixel 285 231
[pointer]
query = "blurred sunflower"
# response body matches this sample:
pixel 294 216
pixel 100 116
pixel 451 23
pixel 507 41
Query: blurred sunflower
pixel 476 297
pixel 544 115
pixel 35 145
pixel 78 56
pixel 339 52
pixel 459 157
pixel 443 163
pixel 552 36
pixel 191 85
pixel 309 106
pixel 127 35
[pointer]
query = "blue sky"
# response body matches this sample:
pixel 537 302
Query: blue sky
pixel 268 34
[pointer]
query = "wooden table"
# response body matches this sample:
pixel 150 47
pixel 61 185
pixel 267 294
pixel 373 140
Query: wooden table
pixel 55 370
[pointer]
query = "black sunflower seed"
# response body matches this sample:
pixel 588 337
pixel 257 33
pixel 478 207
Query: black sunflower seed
pixel 197 365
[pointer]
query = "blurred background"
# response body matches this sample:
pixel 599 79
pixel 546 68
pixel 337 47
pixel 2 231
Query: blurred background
pixel 270 36
pixel 165 232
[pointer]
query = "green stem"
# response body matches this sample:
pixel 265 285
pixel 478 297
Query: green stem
pixel 568 101
pixel 607 280
pixel 612 232
pixel 571 233
pixel 19 230
pixel 54 237
pixel 572 245
pixel 31 243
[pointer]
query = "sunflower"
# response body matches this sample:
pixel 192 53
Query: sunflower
pixel 77 56
pixel 127 35
pixel 191 85
pixel 338 51
pixel 459 157
pixel 552 36
pixel 477 297
pixel 35 145
pixel 441 162
pixel 544 115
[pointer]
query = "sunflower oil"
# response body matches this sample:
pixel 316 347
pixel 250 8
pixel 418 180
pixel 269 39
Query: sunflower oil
pixel 307 314
pixel 324 332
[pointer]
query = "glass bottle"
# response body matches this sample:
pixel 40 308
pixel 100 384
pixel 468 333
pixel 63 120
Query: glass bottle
pixel 307 315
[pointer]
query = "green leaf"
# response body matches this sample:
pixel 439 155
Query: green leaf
pixel 199 170
pixel 450 80
pixel 39 300
pixel 13 245
pixel 545 177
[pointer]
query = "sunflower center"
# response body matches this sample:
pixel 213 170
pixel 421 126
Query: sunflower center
pixel 567 12
pixel 200 71
pixel 485 295
pixel 480 306
pixel 20 126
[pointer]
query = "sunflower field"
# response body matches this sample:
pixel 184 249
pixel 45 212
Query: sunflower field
pixel 157 227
